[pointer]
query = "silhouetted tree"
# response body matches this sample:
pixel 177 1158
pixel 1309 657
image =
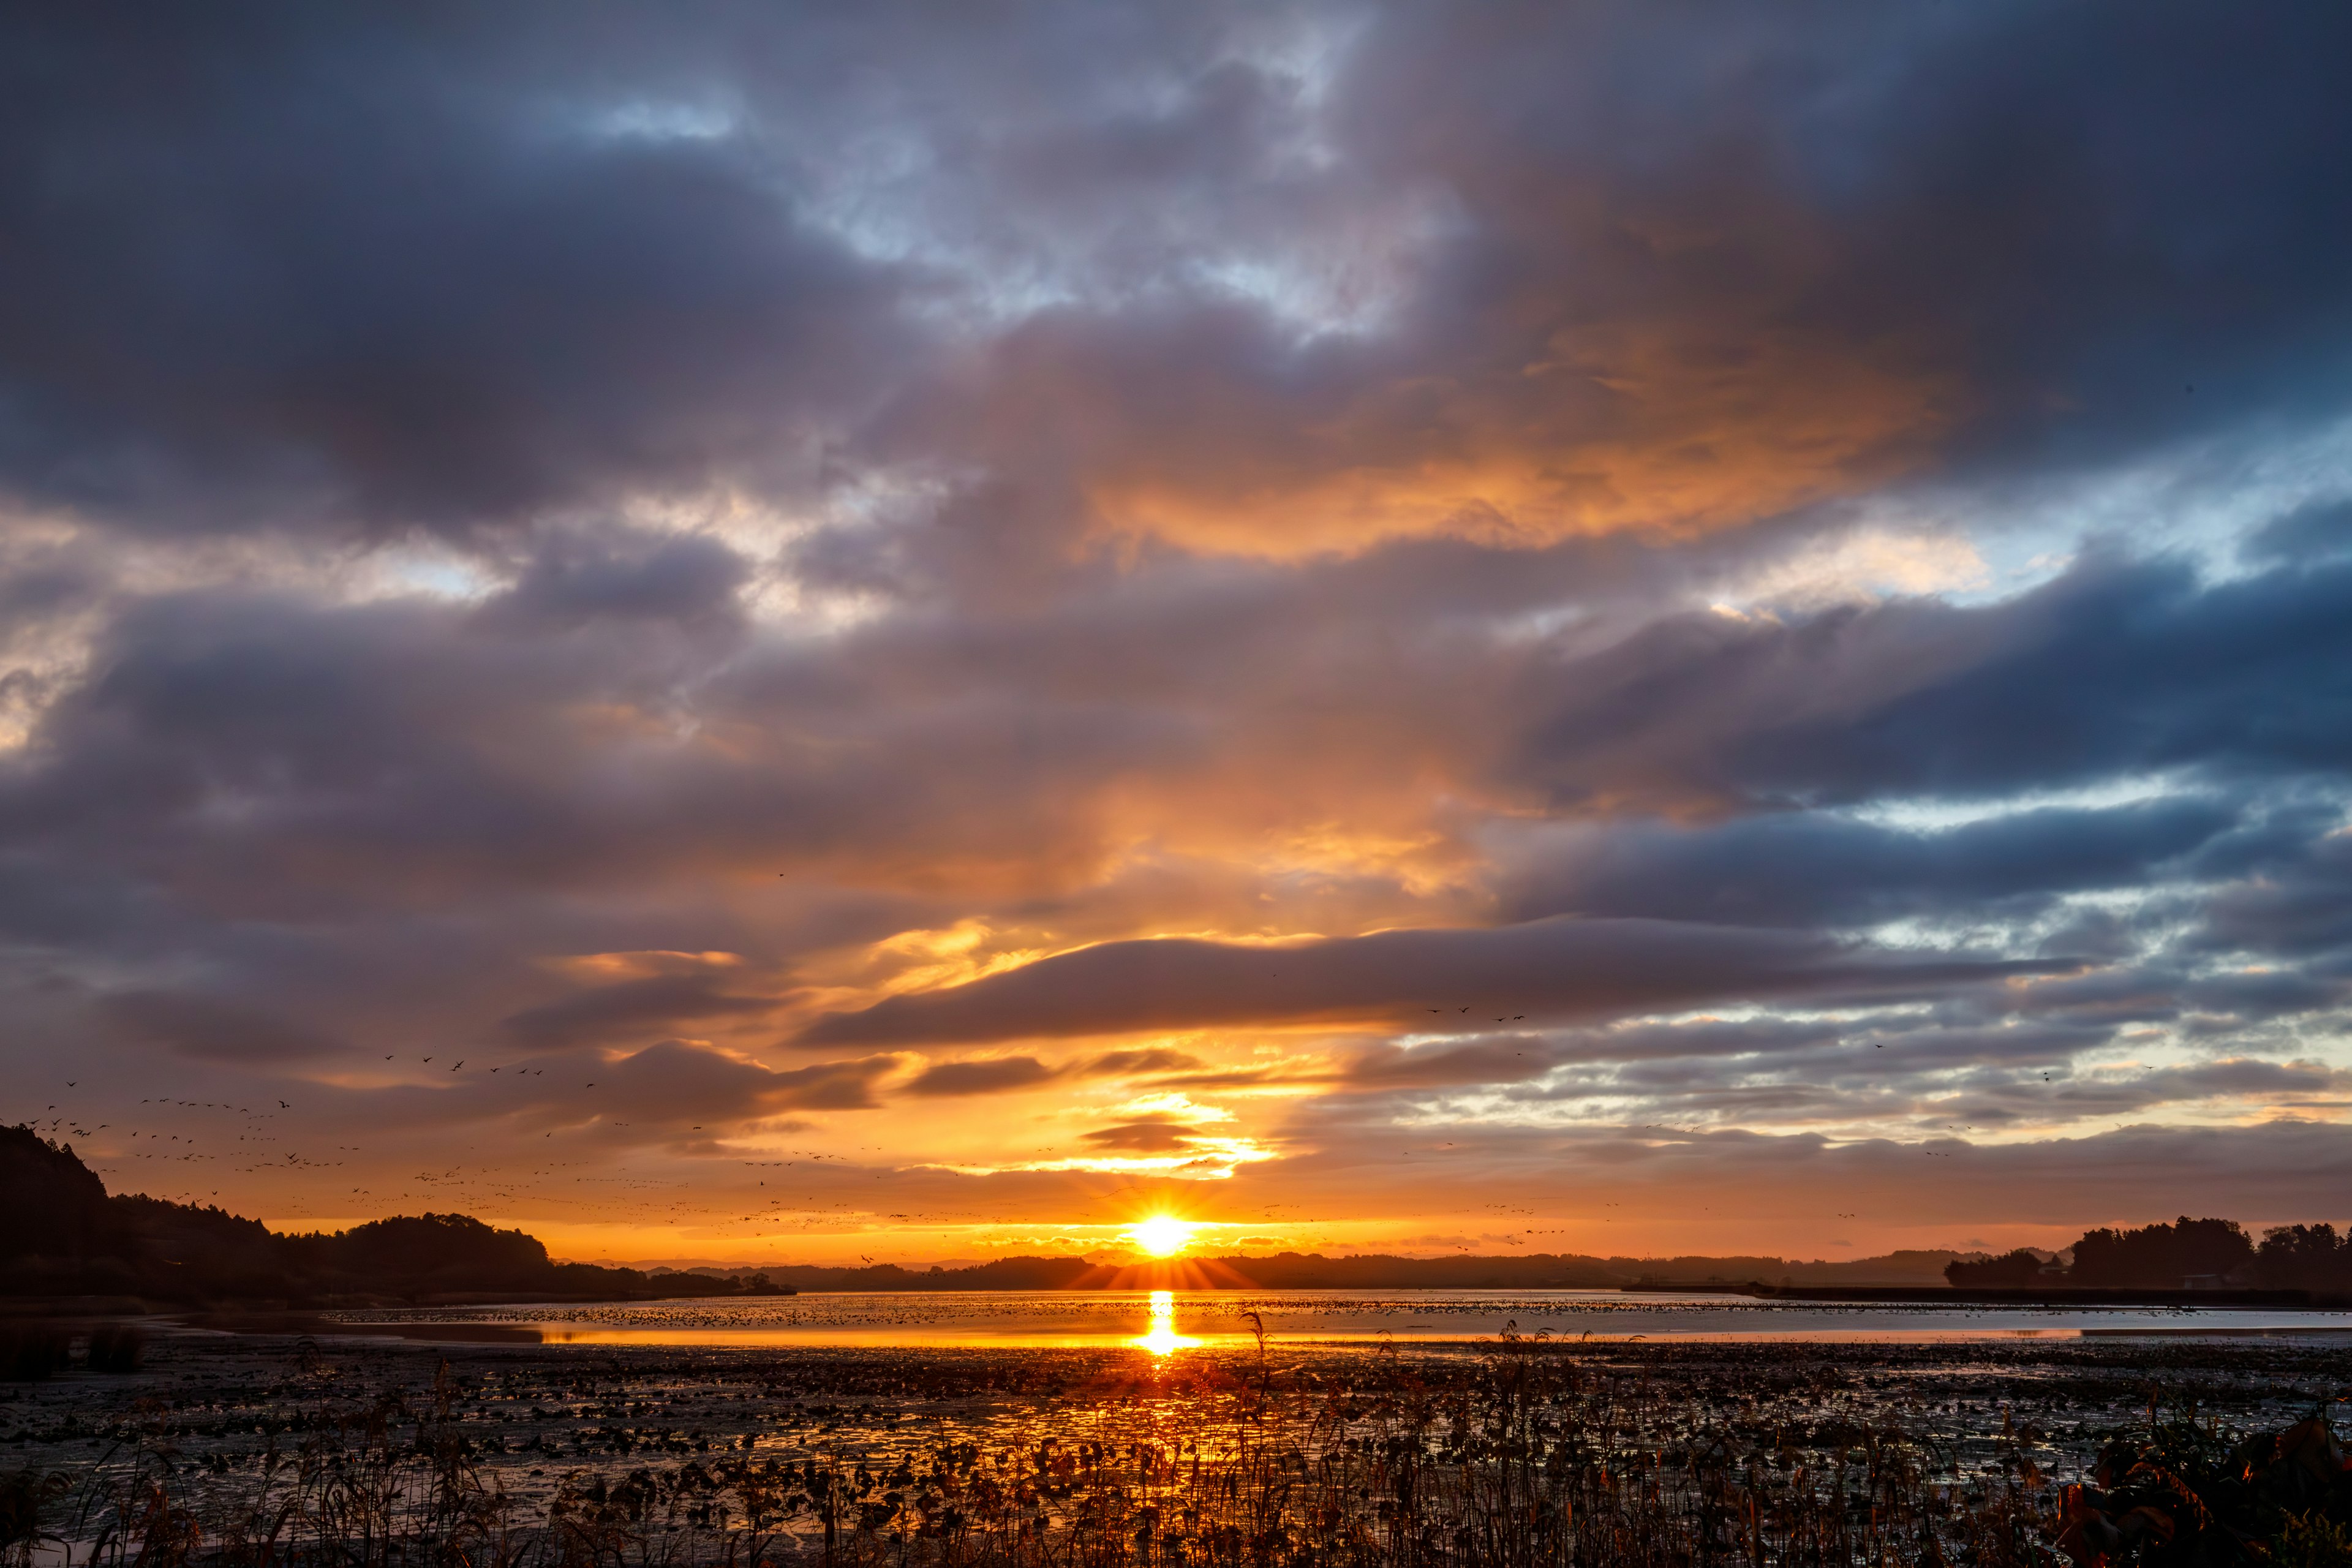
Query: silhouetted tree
pixel 423 1251
pixel 2011 1270
pixel 2305 1258
pixel 2160 1255
pixel 55 1207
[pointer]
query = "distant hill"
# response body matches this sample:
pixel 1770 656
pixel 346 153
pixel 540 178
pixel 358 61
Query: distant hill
pixel 1373 1271
pixel 1908 1268
pixel 51 1204
pixel 1369 1271
pixel 61 1233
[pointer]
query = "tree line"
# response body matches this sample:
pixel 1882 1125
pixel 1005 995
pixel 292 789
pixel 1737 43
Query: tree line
pixel 2185 1253
pixel 62 1234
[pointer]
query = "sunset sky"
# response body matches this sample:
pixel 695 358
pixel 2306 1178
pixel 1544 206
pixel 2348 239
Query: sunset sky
pixel 1617 628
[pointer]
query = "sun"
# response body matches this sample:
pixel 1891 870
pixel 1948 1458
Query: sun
pixel 1163 1236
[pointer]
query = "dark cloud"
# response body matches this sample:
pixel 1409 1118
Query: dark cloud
pixel 2303 907
pixel 214 1028
pixel 1812 869
pixel 995 1076
pixel 1001 1074
pixel 2118 669
pixel 1121 1063
pixel 1662 270
pixel 1144 1138
pixel 2317 532
pixel 632 1007
pixel 1563 969
pixel 2267 995
pixel 391 270
pixel 677 1080
pixel 685 579
pixel 1510 1059
pixel 399 266
pixel 1362 538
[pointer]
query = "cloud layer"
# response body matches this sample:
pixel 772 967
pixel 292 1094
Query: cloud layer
pixel 986 619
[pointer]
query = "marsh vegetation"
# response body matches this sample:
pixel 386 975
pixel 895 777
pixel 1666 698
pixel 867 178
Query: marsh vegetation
pixel 1518 1452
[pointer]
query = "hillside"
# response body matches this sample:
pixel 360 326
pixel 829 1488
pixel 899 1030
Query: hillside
pixel 62 1234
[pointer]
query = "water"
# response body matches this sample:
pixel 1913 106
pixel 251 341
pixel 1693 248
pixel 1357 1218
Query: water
pixel 1170 1322
pixel 896 1384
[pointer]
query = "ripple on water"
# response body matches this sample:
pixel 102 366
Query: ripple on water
pixel 1113 1318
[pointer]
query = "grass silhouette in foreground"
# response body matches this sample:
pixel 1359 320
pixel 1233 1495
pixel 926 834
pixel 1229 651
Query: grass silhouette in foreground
pixel 1533 1452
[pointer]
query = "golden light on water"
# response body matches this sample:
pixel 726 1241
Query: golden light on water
pixel 1163 1236
pixel 1161 1338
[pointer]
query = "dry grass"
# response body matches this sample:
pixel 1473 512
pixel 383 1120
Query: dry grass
pixel 1536 1459
pixel 1536 1454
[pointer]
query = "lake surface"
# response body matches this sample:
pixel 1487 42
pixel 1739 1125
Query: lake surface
pixel 688 1416
pixel 1170 1322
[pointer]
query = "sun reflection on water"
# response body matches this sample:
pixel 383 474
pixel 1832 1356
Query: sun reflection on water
pixel 1161 1338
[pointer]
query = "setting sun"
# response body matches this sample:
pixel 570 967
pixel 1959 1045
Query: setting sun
pixel 1163 1236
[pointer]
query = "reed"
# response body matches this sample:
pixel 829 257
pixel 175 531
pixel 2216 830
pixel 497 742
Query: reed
pixel 1540 1455
pixel 116 1348
pixel 32 1350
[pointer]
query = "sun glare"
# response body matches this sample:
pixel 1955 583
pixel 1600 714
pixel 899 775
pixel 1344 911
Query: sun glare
pixel 1163 1236
pixel 1161 1338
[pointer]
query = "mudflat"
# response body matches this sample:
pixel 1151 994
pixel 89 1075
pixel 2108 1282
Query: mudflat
pixel 246 1446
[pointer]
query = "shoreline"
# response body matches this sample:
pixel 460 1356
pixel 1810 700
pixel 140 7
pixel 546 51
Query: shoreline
pixel 542 1436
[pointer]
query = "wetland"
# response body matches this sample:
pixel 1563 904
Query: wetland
pixel 1185 1443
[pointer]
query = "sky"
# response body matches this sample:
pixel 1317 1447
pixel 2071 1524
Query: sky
pixel 763 633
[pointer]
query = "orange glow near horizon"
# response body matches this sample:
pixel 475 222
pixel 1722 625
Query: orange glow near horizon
pixel 1162 1236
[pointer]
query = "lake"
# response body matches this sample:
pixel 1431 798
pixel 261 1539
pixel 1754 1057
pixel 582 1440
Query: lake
pixel 1169 1322
pixel 1042 1426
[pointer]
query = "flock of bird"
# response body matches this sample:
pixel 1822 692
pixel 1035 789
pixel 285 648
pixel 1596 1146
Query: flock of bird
pixel 616 1192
